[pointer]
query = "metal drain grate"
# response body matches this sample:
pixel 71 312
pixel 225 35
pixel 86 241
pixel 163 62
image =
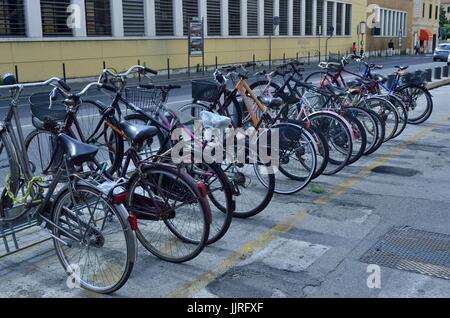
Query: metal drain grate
pixel 412 250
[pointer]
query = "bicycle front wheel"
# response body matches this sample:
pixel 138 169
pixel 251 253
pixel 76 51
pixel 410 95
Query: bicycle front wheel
pixel 93 240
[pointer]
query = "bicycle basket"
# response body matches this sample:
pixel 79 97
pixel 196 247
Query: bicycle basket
pixel 417 78
pixel 146 99
pixel 39 104
pixel 207 91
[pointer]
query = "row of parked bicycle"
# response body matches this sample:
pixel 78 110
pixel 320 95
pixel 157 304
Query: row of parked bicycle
pixel 98 175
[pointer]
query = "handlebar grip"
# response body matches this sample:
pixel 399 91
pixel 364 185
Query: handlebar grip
pixel 149 70
pixel 64 85
pixel 109 88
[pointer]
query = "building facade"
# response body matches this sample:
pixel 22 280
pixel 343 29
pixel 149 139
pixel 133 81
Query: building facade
pixel 35 36
pixel 446 5
pixel 425 24
pixel 392 20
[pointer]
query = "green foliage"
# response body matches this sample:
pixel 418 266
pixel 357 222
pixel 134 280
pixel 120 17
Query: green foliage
pixel 442 18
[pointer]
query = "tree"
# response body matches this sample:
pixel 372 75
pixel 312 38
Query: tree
pixel 442 17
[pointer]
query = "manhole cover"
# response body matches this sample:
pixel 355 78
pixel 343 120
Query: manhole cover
pixel 412 250
pixel 403 172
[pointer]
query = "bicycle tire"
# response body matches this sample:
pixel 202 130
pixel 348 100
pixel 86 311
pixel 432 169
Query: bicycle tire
pixel 419 119
pixel 360 137
pixel 129 239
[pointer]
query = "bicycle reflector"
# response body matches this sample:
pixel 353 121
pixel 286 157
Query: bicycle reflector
pixel 203 189
pixel 133 222
pixel 120 198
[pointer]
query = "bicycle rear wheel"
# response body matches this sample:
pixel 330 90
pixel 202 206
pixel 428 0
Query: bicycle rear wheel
pixel 419 102
pixel 174 217
pixel 93 239
pixel 9 167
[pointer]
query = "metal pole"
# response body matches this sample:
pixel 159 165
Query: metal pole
pixel 64 71
pixel 16 69
pixel 168 68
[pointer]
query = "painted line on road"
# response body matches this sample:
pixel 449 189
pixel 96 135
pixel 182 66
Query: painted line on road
pixel 261 241
pixel 201 281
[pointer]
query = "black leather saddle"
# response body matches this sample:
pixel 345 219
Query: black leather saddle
pixel 76 152
pixel 401 68
pixel 138 134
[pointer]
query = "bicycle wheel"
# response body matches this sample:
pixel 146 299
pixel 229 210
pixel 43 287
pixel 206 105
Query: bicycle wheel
pixel 173 217
pixel 360 137
pixel 297 160
pixel 403 114
pixel 93 239
pixel 109 142
pixel 369 124
pixel 419 102
pixel 9 167
pixel 381 131
pixel 386 111
pixel 339 138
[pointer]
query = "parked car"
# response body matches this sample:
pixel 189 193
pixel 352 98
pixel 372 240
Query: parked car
pixel 441 53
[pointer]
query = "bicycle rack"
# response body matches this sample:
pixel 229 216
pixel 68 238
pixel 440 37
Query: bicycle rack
pixel 20 235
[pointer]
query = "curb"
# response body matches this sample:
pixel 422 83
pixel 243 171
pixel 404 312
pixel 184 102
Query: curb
pixel 437 84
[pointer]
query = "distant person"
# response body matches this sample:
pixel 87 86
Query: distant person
pixel 391 48
pixel 354 48
pixel 417 48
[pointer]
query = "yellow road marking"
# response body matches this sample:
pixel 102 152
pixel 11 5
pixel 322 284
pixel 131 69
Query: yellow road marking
pixel 201 281
pixel 261 241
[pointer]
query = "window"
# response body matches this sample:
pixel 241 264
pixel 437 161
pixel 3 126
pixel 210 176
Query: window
pixel 308 17
pixel 133 17
pixel 297 16
pixel 54 18
pixel 164 17
pixel 268 17
pixel 190 11
pixel 213 12
pixel 234 17
pixel 12 22
pixel 348 20
pixel 98 17
pixel 330 11
pixel 339 22
pixel 319 17
pixel 423 10
pixel 430 13
pixel 448 9
pixel 252 17
pixel 283 17
pixel 436 13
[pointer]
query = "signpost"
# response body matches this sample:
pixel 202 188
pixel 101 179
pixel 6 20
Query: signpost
pixel 196 45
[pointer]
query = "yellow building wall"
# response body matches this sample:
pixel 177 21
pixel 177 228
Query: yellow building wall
pixel 39 60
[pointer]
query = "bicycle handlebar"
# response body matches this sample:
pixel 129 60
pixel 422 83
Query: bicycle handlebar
pixel 131 70
pixel 46 83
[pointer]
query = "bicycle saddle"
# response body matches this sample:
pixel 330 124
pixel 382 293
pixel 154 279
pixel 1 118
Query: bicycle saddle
pixel 335 90
pixel 380 78
pixel 354 83
pixel 401 68
pixel 77 152
pixel 138 134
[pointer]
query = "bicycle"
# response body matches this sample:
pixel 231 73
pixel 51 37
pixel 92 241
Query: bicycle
pixel 87 220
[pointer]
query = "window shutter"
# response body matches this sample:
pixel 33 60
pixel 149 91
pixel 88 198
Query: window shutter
pixel 133 17
pixel 284 17
pixel 98 18
pixel 164 18
pixel 319 17
pixel 339 19
pixel 297 16
pixel 308 17
pixel 252 17
pixel 330 11
pixel 54 18
pixel 12 21
pixel 234 17
pixel 214 23
pixel 268 17
pixel 190 11
pixel 348 19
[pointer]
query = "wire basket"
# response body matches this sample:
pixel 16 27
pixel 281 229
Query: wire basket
pixel 417 78
pixel 40 103
pixel 144 98
pixel 206 91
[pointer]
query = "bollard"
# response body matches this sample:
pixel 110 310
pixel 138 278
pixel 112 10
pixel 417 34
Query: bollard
pixel 309 58
pixel 429 73
pixel 64 72
pixel 445 71
pixel 437 73
pixel 168 68
pixel 254 62
pixel 297 56
pixel 270 61
pixel 16 69
pixel 104 65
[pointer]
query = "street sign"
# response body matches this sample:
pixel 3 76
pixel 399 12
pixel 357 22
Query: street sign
pixel 196 39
